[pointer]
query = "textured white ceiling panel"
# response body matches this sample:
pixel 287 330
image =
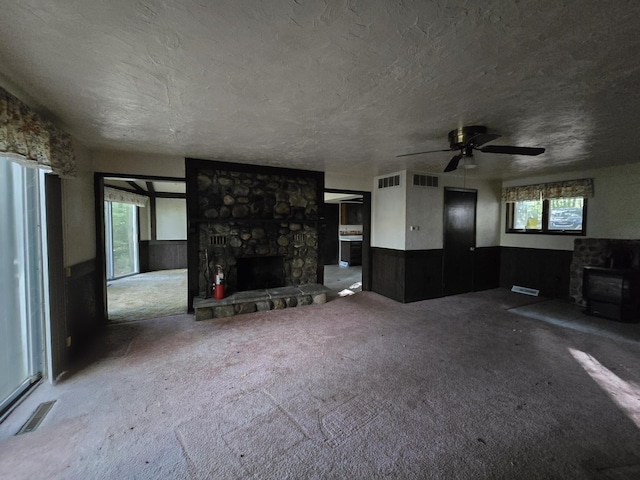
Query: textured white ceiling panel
pixel 340 86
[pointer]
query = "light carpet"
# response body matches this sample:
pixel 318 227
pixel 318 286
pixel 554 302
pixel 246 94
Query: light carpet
pixel 361 387
pixel 156 294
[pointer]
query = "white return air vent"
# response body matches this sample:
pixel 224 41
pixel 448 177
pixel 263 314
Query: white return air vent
pixel 392 181
pixel 424 180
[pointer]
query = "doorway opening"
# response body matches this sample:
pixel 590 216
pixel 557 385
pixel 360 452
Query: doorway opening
pixel 346 238
pixel 144 231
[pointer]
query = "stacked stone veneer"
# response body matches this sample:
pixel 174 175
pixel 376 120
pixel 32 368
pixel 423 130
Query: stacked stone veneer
pixel 246 214
pixel 599 252
pixel 260 301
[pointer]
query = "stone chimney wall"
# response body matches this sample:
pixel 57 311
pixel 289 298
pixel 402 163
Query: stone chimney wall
pixel 247 214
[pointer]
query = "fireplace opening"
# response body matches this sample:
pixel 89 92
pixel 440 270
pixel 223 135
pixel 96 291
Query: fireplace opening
pixel 256 273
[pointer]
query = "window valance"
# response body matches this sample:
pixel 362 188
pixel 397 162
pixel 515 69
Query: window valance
pixel 121 196
pixel 545 191
pixel 24 133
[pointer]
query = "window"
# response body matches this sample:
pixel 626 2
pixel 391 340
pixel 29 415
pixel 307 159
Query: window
pixel 553 216
pixel 121 239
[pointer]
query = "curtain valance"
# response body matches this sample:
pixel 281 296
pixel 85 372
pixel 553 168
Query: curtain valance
pixel 545 191
pixel 24 133
pixel 121 196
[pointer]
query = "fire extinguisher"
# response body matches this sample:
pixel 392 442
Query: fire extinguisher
pixel 218 288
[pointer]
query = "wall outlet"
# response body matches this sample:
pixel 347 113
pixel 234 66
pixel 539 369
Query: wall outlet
pixel 413 228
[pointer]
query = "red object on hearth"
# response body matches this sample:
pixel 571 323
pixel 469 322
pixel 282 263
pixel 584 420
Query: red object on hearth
pixel 218 289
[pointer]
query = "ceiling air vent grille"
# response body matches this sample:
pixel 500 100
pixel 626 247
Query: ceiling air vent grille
pixel 392 181
pixel 425 181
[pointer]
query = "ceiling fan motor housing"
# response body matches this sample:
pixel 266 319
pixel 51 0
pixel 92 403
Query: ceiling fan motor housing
pixel 460 137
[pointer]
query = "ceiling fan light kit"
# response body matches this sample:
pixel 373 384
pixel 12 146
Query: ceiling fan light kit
pixel 468 139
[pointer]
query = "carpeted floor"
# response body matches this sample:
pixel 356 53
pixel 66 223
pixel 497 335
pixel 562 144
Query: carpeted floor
pixel 164 293
pixel 342 281
pixel 147 295
pixel 472 386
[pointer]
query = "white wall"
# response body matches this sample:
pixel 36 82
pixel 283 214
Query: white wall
pixel 425 209
pixel 488 214
pixel 145 223
pixel 337 181
pixel 396 210
pixel 611 213
pixel 138 164
pixel 388 214
pixel 171 219
pixel 78 211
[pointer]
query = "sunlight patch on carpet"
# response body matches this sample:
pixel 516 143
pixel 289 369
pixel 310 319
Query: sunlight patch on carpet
pixel 625 394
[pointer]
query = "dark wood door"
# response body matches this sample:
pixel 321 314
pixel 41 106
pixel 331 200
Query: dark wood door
pixel 459 240
pixel 330 233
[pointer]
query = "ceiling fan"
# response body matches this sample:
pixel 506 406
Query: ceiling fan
pixel 468 139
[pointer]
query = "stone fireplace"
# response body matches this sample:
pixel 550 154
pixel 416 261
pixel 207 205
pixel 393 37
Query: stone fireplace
pixel 259 223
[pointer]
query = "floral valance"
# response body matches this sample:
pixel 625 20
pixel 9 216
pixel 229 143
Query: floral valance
pixel 122 196
pixel 582 188
pixel 24 133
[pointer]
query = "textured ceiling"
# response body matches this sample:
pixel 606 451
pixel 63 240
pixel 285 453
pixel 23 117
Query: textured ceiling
pixel 339 86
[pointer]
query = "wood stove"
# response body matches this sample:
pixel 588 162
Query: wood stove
pixel 612 292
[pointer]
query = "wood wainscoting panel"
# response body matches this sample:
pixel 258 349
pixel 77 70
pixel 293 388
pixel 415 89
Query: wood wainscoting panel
pixel 167 255
pixel 486 268
pixel 546 270
pixel 407 276
pixel 423 278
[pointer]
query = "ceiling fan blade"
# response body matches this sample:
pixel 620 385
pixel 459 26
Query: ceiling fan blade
pixel 420 153
pixel 482 138
pixel 512 150
pixel 453 163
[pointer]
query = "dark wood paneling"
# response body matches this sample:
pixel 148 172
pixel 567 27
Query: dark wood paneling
pixel 367 270
pixel 57 291
pixel 143 256
pixel 167 254
pixel 101 260
pixel 544 270
pixel 193 240
pixel 414 275
pixel 84 318
pixel 423 275
pixel 407 276
pixel 351 214
pixel 351 252
pixel 388 272
pixel 486 268
pixel 329 231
